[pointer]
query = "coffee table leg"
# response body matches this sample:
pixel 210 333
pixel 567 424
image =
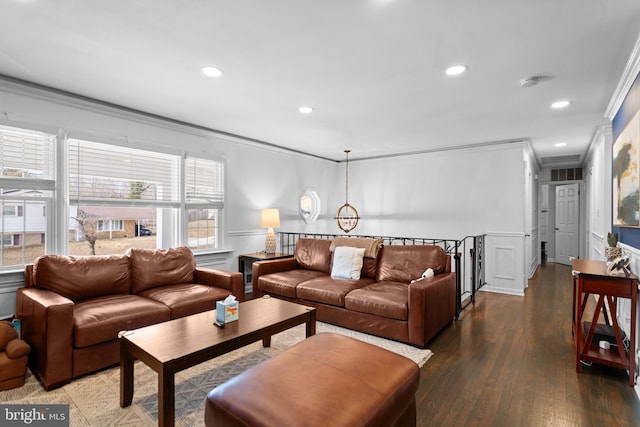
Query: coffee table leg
pixel 166 397
pixel 126 375
pixel 311 323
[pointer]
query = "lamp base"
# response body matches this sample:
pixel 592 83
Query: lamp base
pixel 270 242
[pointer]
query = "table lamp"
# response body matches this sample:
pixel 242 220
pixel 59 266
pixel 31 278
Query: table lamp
pixel 270 220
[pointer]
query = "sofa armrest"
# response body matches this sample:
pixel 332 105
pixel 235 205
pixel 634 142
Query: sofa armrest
pixel 261 268
pixel 47 326
pixel 432 305
pixel 229 280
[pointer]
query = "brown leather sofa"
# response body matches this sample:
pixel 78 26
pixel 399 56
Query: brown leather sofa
pixel 72 308
pixel 382 302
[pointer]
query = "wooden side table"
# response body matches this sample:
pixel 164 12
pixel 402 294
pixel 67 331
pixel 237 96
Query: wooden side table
pixel 592 278
pixel 247 260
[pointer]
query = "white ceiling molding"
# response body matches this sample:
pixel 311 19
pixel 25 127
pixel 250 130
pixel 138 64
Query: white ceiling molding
pixel 628 77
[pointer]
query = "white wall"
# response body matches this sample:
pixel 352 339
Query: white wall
pixel 450 195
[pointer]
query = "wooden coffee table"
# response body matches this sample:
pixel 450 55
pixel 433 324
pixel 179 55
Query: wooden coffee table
pixel 173 346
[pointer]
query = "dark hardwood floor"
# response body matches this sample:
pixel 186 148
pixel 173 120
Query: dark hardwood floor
pixel 510 361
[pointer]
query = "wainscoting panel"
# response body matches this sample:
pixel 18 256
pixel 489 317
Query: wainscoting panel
pixel 505 271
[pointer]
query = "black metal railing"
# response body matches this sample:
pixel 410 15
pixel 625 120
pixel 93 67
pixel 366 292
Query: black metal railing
pixel 469 269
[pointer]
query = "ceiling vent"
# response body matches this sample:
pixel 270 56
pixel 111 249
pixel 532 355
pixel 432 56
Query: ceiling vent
pixel 568 174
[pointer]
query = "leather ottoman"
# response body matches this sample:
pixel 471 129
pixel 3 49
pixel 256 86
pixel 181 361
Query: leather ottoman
pixel 325 380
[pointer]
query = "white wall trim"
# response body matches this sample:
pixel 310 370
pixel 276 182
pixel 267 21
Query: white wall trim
pixel 505 263
pixel 239 233
pixel 629 75
pixel 499 290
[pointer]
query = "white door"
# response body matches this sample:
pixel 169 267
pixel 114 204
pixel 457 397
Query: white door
pixel 567 222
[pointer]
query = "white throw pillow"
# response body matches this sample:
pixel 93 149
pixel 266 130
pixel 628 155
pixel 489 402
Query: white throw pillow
pixel 347 262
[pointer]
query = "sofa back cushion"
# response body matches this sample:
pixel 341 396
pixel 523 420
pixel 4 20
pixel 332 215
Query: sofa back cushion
pixel 404 263
pixel 151 268
pixel 313 254
pixel 80 278
pixel 371 246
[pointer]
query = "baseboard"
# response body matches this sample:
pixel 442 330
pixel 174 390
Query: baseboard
pixel 507 291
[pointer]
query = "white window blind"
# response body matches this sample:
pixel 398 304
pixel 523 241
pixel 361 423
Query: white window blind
pixel 204 183
pixel 27 159
pixel 109 174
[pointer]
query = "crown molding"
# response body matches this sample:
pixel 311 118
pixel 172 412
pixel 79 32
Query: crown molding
pixel 629 75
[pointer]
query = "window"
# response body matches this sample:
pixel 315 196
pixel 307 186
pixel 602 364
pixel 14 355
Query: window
pixel 110 225
pixel 118 197
pixel 27 172
pixel 204 195
pixel 115 190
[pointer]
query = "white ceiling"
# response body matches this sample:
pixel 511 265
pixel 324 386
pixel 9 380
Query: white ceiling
pixel 373 70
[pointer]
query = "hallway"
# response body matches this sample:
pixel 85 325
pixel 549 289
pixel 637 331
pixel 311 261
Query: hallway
pixel 510 361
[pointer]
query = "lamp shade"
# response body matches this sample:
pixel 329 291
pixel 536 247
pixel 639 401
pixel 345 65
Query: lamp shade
pixel 270 218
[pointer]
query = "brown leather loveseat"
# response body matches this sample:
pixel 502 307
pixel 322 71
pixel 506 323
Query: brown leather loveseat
pixel 72 308
pixel 383 301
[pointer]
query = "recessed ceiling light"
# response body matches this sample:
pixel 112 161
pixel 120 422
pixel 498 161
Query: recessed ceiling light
pixel 305 110
pixel 456 69
pixel 560 104
pixel 211 71
pixel 561 144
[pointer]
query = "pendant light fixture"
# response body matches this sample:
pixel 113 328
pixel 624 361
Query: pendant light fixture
pixel 347 216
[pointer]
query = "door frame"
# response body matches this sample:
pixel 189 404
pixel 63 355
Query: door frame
pixel 551 226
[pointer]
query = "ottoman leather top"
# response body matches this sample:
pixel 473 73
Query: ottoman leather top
pixel 327 379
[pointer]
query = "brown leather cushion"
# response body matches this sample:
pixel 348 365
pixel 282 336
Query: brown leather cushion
pixel 404 263
pixel 369 267
pixel 384 299
pixel 325 380
pixel 187 298
pixel 99 320
pixel 313 254
pixel 328 290
pixel 7 334
pixel 17 349
pixel 158 267
pixel 80 278
pixel 12 368
pixel 285 283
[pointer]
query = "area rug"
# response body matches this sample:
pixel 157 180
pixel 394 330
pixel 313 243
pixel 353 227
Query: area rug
pixel 94 400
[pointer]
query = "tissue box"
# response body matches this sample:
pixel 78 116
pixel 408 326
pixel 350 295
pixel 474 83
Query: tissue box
pixel 226 312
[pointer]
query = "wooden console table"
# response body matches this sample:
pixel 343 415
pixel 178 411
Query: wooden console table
pixel 592 278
